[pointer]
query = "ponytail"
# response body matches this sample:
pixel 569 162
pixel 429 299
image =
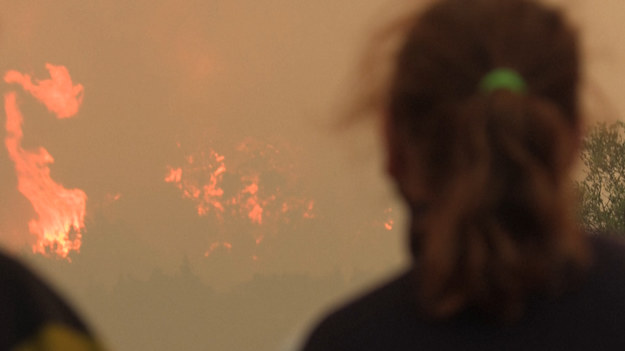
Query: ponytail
pixel 498 226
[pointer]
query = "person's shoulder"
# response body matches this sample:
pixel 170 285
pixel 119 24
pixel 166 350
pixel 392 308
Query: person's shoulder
pixel 591 314
pixel 608 243
pixel 377 311
pixel 608 251
pixel 600 299
pixel 9 266
pixel 14 275
pixel 34 316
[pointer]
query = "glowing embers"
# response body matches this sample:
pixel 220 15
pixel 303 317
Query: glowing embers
pixel 390 222
pixel 252 188
pixel 60 212
pixel 200 181
pixel 214 246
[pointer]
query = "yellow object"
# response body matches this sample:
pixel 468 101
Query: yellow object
pixel 58 337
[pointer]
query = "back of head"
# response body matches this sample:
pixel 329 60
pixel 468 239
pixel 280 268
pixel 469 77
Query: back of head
pixel 485 172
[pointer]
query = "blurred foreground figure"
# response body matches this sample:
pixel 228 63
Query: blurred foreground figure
pixel 482 126
pixel 34 318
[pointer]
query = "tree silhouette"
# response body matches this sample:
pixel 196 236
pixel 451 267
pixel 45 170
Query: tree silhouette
pixel 602 190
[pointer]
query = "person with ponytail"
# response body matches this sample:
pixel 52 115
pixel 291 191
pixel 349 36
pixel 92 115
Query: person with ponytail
pixel 482 127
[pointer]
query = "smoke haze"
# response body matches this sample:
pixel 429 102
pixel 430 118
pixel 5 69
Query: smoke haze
pixel 168 85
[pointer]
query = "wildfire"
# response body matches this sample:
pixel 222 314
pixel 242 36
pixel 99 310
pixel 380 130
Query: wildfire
pixel 60 211
pixel 389 221
pixel 249 185
pixel 194 185
pixel 214 246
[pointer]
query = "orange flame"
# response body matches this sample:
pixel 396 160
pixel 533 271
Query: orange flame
pixel 254 187
pixel 174 175
pixel 214 246
pixel 58 94
pixel 389 224
pixel 210 196
pixel 310 210
pixel 60 211
pixel 390 221
pixel 253 205
pixel 207 196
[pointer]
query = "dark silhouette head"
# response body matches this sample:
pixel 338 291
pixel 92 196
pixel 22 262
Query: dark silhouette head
pixel 485 171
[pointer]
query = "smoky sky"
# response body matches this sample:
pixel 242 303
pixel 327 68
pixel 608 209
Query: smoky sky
pixel 165 79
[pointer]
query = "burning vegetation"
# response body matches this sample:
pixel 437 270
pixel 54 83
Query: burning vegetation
pixel 60 211
pixel 255 184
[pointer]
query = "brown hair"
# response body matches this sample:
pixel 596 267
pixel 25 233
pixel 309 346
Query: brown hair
pixel 485 174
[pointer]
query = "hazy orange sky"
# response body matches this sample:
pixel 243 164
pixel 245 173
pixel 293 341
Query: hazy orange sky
pixel 195 73
pixel 165 79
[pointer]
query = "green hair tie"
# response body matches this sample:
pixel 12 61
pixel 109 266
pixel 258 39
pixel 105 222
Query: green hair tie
pixel 503 78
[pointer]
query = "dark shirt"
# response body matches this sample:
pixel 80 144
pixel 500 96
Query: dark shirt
pixel 591 317
pixel 33 317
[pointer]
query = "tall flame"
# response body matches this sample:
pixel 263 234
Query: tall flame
pixel 60 211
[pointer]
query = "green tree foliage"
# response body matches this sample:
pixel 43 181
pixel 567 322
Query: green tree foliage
pixel 602 190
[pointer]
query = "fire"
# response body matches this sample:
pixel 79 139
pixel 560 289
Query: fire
pixel 208 195
pixel 310 210
pixel 250 186
pixel 389 224
pixel 58 94
pixel 174 175
pixel 60 211
pixel 214 246
pixel 389 221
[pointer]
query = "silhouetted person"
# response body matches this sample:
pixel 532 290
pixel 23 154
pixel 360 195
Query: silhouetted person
pixel 482 126
pixel 34 318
